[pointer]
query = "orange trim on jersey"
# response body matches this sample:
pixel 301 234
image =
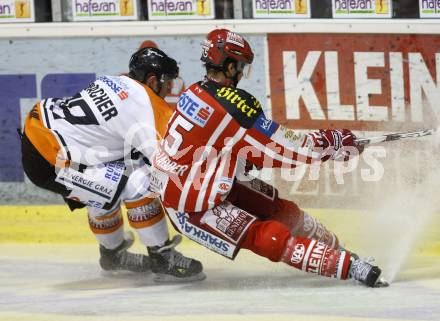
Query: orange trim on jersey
pixel 162 111
pixel 40 136
pixel 147 223
pixel 139 203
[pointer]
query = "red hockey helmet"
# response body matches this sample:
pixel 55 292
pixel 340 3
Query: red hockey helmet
pixel 221 44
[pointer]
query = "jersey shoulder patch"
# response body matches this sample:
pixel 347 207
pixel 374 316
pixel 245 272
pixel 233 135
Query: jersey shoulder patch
pixel 194 108
pixel 116 84
pixel 241 105
pixel 265 125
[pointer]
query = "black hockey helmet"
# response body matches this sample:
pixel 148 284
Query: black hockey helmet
pixel 147 61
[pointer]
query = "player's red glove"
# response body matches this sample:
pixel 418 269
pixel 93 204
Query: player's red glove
pixel 336 144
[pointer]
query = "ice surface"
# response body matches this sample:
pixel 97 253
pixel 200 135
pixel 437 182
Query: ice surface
pixel 64 282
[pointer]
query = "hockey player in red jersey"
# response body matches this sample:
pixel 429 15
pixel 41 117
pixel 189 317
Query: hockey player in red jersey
pixel 80 147
pixel 200 172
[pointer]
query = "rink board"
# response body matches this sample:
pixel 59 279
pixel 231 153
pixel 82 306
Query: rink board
pixel 57 224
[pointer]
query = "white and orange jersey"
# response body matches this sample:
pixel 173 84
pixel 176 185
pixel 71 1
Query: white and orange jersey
pixel 101 123
pixel 213 130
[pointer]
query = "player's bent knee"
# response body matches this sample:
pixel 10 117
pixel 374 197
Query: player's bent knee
pixel 287 212
pixel 267 238
pixel 289 206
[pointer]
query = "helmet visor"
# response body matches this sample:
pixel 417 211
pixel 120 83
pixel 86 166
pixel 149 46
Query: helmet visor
pixel 244 68
pixel 165 85
pixel 167 78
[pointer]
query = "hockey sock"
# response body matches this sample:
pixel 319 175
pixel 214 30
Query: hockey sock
pixel 316 257
pixel 309 227
pixel 300 223
pixel 147 217
pixel 107 227
pixel 273 240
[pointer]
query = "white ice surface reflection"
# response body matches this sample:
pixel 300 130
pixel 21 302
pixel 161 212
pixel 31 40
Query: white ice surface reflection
pixel 64 282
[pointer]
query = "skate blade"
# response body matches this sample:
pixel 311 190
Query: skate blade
pixel 114 273
pixel 381 283
pixel 122 273
pixel 170 279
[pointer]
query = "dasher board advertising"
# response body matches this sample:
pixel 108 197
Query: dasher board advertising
pixel 180 9
pixel 96 10
pixel 429 8
pixel 281 8
pixel 362 8
pixel 379 82
pixel 370 83
pixel 17 11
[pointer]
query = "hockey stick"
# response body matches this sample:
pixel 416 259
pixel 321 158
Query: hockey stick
pixel 394 136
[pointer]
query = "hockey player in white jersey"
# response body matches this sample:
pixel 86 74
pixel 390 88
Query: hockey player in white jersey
pixel 82 147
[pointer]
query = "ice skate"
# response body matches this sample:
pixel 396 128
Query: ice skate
pixel 119 259
pixel 366 273
pixel 171 266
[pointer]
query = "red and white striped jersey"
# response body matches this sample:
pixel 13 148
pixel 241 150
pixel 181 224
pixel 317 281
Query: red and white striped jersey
pixel 213 131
